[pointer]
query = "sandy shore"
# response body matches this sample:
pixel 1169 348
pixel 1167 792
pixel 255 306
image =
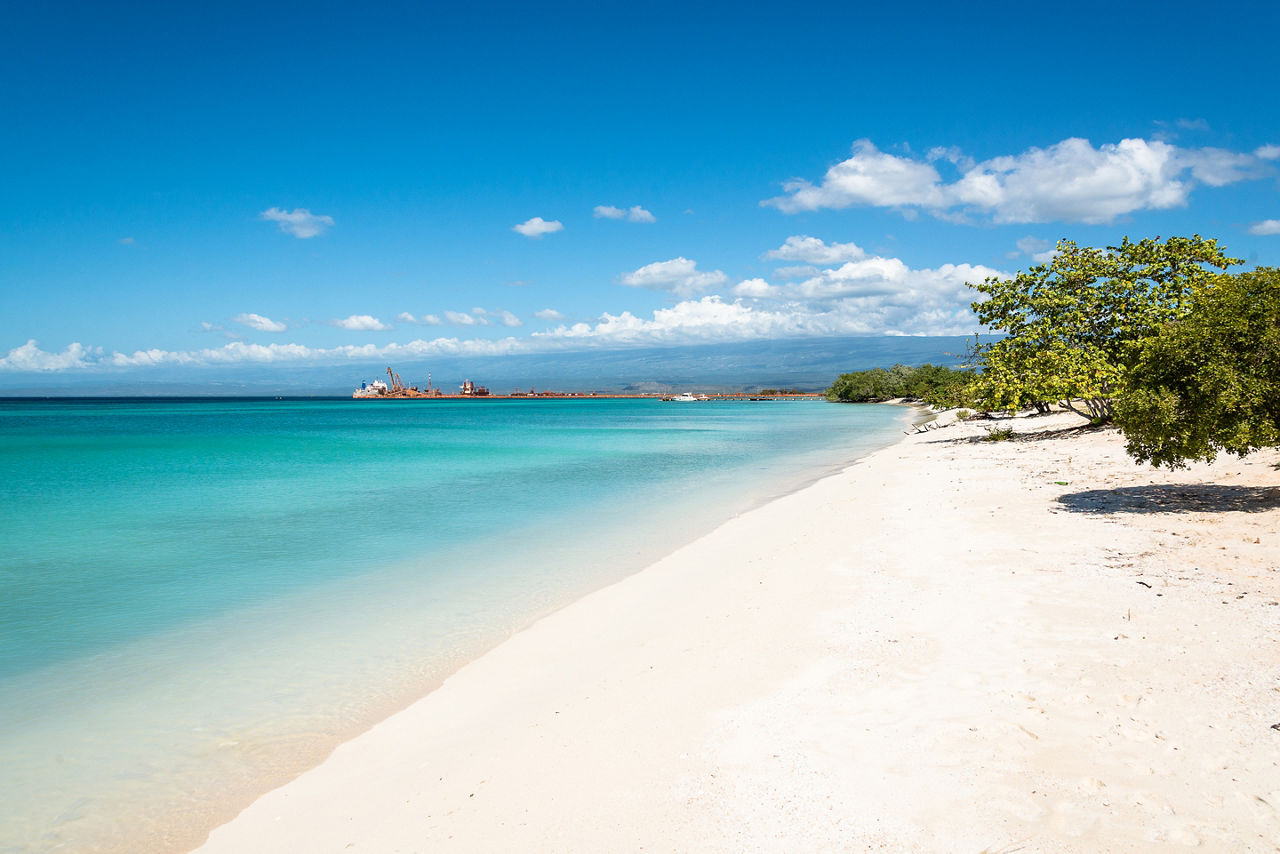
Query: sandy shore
pixel 1029 645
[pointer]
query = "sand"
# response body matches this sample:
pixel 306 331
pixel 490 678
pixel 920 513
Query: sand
pixel 1030 645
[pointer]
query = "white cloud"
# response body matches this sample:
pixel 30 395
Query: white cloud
pixel 260 323
pixel 633 214
pixel 1069 181
pixel 537 227
pixel 1267 226
pixel 29 357
pixel 126 241
pixel 878 295
pixel 1267 152
pixel 638 214
pixel 548 314
pixel 424 320
pixel 1075 182
pixel 811 250
pixel 483 317
pixel 952 154
pixel 361 323
pixel 891 278
pixel 461 318
pixel 679 276
pixel 480 316
pixel 708 319
pixel 1218 167
pixel 869 177
pixel 869 277
pixel 755 288
pixel 300 222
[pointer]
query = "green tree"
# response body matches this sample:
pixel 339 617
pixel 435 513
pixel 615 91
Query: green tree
pixel 1209 381
pixel 1072 328
pixel 939 385
pixel 936 384
pixel 862 386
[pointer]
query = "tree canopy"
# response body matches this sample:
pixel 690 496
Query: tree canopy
pixel 1210 380
pixel 1184 358
pixel 1072 328
pixel 935 384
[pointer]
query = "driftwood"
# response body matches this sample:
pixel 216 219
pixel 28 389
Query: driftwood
pixel 925 427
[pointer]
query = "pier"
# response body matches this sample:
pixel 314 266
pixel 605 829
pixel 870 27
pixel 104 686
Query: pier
pixel 704 397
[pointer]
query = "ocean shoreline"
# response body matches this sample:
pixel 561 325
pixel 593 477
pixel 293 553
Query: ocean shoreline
pixel 854 455
pixel 766 688
pixel 220 727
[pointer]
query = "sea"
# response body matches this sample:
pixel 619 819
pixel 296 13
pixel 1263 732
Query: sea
pixel 200 598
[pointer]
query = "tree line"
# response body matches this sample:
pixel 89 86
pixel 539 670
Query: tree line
pixel 1152 336
pixel 934 384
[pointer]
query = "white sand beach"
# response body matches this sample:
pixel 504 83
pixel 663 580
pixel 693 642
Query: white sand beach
pixel 1030 645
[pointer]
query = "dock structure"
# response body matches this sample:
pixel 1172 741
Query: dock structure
pixel 398 390
pixel 709 397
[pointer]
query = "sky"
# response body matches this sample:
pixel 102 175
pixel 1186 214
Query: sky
pixel 213 188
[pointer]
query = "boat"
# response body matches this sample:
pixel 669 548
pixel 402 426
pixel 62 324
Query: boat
pixel 685 397
pixel 377 388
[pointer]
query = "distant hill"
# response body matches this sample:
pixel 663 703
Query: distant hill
pixel 808 364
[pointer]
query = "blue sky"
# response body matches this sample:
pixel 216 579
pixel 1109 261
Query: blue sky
pixel 213 187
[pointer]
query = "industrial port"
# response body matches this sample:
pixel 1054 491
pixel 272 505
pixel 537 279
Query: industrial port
pixel 396 389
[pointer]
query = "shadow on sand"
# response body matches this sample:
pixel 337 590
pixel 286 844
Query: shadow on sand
pixel 1022 437
pixel 1174 498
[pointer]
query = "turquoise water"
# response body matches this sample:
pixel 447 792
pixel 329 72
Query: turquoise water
pixel 199 599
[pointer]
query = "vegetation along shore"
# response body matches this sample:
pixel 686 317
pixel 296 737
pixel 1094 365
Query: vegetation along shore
pixel 1185 360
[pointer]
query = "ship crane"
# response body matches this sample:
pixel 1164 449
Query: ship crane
pixel 397 385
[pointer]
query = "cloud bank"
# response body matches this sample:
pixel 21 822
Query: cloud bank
pixel 1070 181
pixel 847 292
pixel 29 357
pixel 679 277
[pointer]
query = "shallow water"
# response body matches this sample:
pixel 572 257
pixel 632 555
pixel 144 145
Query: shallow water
pixel 200 598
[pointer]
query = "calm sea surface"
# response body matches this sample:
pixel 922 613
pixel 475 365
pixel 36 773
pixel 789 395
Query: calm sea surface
pixel 201 598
